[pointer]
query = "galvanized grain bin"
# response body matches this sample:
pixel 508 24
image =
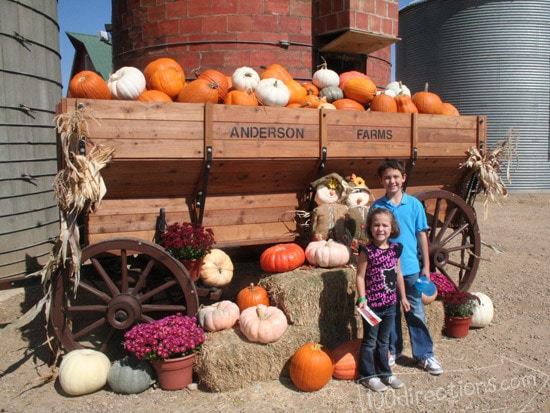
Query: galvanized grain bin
pixel 488 57
pixel 30 87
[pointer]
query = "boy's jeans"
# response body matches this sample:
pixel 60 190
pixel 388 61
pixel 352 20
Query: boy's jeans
pixel 421 340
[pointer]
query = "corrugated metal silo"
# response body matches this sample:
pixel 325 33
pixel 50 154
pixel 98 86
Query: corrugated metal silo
pixel 30 84
pixel 488 57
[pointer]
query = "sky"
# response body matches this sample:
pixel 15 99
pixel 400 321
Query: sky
pixel 89 17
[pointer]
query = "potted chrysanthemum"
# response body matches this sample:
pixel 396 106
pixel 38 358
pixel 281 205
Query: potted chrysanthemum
pixel 458 307
pixel 170 343
pixel 189 243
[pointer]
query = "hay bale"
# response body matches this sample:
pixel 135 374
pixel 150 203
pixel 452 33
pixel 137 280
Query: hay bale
pixel 229 361
pixel 435 318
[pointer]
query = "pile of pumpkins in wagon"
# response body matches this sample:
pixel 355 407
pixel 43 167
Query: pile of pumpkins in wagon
pixel 164 80
pixel 312 365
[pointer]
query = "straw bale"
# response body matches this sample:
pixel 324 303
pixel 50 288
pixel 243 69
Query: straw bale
pixel 229 361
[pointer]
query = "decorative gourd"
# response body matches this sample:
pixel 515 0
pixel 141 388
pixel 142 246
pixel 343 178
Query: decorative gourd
pixel 297 92
pixel 88 85
pixel 130 376
pixel 272 92
pixel 348 104
pixel 332 93
pixel 217 77
pixel 310 88
pixel 219 316
pixel 263 324
pixel 166 75
pixel 310 367
pixel 282 257
pixel 83 371
pixel 344 77
pixel 252 296
pixel 383 103
pixel 326 105
pixel 313 101
pixel 345 359
pixel 325 77
pixel 237 97
pixel 276 71
pixel 427 102
pixel 483 311
pixel 449 109
pixel 127 83
pixel 217 269
pixel 154 96
pixel 245 79
pixel 398 88
pixel 199 91
pixel 360 90
pixel 405 104
pixel 327 254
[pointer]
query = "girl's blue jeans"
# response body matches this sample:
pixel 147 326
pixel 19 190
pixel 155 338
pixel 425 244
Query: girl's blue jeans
pixel 421 339
pixel 373 356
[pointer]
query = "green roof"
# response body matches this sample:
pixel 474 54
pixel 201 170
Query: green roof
pixel 99 51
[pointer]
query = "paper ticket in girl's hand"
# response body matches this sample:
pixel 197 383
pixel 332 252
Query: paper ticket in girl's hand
pixel 369 315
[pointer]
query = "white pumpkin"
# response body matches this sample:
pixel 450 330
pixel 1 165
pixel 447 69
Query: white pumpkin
pixel 483 311
pixel 217 269
pixel 245 79
pixel 327 254
pixel 325 77
pixel 219 316
pixel 83 371
pixel 272 92
pixel 398 88
pixel 127 83
pixel 262 323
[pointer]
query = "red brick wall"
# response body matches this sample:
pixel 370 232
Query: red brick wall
pixel 227 34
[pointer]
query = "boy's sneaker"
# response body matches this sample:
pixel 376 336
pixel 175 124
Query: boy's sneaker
pixel 393 358
pixel 431 365
pixel 375 384
pixel 393 382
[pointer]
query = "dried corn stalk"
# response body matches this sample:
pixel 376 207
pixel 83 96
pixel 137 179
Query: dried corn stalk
pixel 488 167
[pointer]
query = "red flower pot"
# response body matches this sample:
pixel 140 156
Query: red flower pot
pixel 457 327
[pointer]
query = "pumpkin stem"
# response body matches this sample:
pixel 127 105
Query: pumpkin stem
pixel 323 65
pixel 426 87
pixel 260 311
pixel 196 71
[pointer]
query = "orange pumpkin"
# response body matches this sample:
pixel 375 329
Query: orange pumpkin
pixel 313 101
pixel 276 71
pixel 383 103
pixel 199 91
pixel 88 85
pixel 282 257
pixel 166 75
pixel 311 367
pixel 427 102
pixel 360 90
pixel 348 104
pixel 215 76
pixel 252 296
pixel 310 88
pixel 297 92
pixel 405 104
pixel 344 77
pixel 154 96
pixel 238 97
pixel 345 358
pixel 449 109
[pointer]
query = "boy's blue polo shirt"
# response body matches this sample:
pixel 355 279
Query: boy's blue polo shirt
pixel 411 217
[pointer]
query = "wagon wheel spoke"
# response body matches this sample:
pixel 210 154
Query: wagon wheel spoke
pixel 453 236
pixel 123 281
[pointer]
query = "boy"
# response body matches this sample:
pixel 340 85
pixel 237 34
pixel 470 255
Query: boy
pixel 411 218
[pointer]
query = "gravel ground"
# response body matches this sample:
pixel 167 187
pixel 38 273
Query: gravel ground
pixel 501 368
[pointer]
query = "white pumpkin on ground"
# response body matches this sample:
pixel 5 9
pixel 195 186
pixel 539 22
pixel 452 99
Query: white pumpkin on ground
pixel 127 83
pixel 219 316
pixel 217 269
pixel 483 311
pixel 83 371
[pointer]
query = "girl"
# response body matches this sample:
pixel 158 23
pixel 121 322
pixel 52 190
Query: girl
pixel 378 278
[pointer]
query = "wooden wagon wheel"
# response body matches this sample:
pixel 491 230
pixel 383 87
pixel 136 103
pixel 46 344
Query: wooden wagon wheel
pixel 123 281
pixel 454 240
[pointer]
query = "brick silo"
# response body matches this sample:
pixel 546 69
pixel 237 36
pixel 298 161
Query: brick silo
pixel 227 34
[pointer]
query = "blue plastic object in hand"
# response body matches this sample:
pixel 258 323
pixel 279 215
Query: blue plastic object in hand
pixel 425 286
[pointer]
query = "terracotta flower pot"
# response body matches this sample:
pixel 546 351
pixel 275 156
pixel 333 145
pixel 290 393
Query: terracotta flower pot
pixel 457 327
pixel 193 268
pixel 174 374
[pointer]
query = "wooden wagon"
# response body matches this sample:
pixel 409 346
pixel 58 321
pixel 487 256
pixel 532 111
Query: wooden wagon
pixel 243 171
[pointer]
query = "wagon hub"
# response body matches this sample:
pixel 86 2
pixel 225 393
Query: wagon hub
pixel 123 311
pixel 439 256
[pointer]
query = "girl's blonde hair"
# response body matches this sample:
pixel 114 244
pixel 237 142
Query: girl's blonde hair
pixel 382 211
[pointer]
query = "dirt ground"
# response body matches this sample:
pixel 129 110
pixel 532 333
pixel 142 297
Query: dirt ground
pixel 501 368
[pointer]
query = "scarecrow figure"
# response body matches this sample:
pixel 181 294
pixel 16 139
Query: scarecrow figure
pixel 357 203
pixel 329 217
